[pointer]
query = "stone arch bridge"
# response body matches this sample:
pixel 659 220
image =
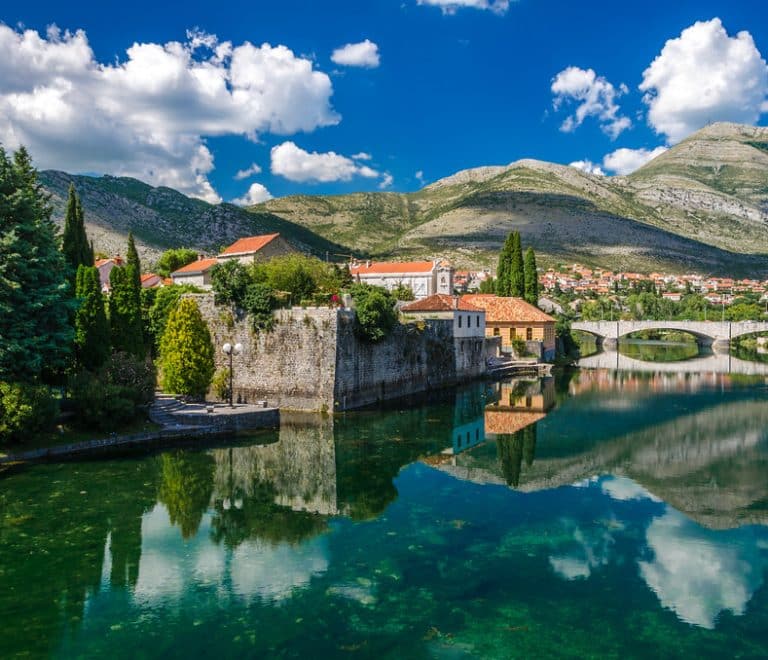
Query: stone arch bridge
pixel 706 332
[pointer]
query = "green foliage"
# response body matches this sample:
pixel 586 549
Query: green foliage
pixel 220 384
pixel 516 268
pixel 91 324
pixel 403 292
pixel 136 374
pixel 172 260
pixel 519 346
pixel 25 410
pixel 259 303
pixel 488 285
pixel 185 488
pixel 35 301
pixel 186 351
pixel 376 316
pixel 531 277
pixel 75 246
pixel 132 260
pixel 743 311
pixel 125 312
pixel 165 300
pixel 502 271
pixel 301 276
pixel 229 282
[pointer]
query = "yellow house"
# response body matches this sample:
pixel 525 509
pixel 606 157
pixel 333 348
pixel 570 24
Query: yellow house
pixel 513 318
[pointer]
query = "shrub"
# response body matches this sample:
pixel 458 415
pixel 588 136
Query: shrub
pixel 258 303
pixel 404 293
pixel 519 346
pixel 136 375
pixel 220 384
pixel 229 282
pixel 25 410
pixel 100 405
pixel 375 310
pixel 165 301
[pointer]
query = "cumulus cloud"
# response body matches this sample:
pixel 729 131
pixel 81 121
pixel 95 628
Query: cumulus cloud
pixel 364 54
pixel 386 180
pixel 248 172
pixel 420 177
pixel 587 166
pixel 452 6
pixel 256 194
pixel 296 164
pixel 593 96
pixel 625 161
pixel 702 76
pixel 362 156
pixel 148 115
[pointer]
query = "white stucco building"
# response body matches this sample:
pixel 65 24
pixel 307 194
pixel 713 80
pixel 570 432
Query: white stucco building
pixel 468 320
pixel 424 278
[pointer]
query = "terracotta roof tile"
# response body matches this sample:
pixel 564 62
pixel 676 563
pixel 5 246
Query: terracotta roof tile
pixel 440 302
pixel 393 268
pixel 249 244
pixel 507 309
pixel 199 266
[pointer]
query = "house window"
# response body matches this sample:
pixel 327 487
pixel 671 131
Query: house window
pixel 511 333
pixel 496 332
pixel 529 333
pixel 478 320
pixel 459 320
pixel 528 402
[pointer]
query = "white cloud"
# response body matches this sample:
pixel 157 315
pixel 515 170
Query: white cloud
pixel 386 180
pixel 702 76
pixel 451 6
pixel 295 164
pixel 148 115
pixel 248 172
pixel 587 166
pixel 256 194
pixel 362 156
pixel 420 177
pixel 622 488
pixel 625 161
pixel 594 97
pixel 364 53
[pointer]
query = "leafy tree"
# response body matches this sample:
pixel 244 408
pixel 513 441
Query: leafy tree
pixel 91 324
pixel 258 303
pixel 743 311
pixel 531 278
pixel 125 312
pixel 403 292
pixel 165 300
pixel 516 268
pixel 186 351
pixel 25 410
pixel 35 304
pixel 77 250
pixel 229 282
pixel 132 259
pixel 172 260
pixel 375 312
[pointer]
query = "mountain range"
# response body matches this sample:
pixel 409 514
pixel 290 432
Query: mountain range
pixel 702 205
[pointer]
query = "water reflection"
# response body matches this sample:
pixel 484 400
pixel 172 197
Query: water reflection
pixel 402 518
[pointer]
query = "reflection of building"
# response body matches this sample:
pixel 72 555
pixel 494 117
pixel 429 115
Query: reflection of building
pixel 519 404
pixel 514 319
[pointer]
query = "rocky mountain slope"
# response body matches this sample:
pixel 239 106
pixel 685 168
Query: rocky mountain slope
pixel 702 205
pixel 161 218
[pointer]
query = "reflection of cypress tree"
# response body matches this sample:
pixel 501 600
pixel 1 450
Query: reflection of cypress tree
pixel 125 549
pixel 510 450
pixel 529 444
pixel 186 484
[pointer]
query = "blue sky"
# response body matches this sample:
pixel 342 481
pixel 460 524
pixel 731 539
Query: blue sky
pixel 454 87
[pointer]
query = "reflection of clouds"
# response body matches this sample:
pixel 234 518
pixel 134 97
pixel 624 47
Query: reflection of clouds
pixel 699 573
pixel 588 550
pixel 622 488
pixel 170 566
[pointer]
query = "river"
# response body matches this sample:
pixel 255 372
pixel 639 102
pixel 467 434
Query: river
pixel 595 514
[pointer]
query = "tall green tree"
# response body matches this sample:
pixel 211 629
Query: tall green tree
pixel 186 351
pixel 502 271
pixel 75 245
pixel 172 260
pixel 531 277
pixel 35 303
pixel 516 268
pixel 125 312
pixel 132 259
pixel 92 331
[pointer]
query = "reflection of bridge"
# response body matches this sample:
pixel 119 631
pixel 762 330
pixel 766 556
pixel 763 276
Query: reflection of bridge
pixel 706 330
pixel 716 363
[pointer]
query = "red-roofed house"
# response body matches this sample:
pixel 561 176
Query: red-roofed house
pixel 198 273
pixel 424 278
pixel 256 248
pixel 151 280
pixel 513 318
pixel 468 320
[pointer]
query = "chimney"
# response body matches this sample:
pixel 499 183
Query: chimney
pixel 368 263
pixel 455 302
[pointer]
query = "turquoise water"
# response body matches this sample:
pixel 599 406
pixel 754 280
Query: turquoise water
pixel 598 514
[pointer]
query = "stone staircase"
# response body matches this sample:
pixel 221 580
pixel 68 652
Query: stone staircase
pixel 163 409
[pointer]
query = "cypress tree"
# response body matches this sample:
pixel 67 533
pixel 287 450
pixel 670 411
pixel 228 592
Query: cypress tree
pixel 516 268
pixel 125 312
pixel 75 245
pixel 132 259
pixel 91 325
pixel 186 351
pixel 531 278
pixel 35 306
pixel 502 272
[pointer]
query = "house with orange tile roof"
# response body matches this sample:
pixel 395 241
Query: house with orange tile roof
pixel 424 278
pixel 151 280
pixel 198 273
pixel 513 318
pixel 256 248
pixel 468 320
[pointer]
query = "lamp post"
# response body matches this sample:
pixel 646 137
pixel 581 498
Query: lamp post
pixel 231 351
